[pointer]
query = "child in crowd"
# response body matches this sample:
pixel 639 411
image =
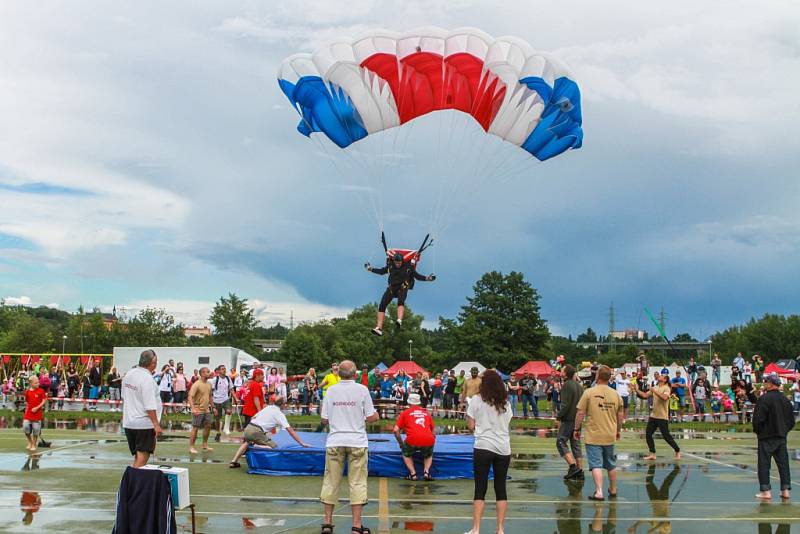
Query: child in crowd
pixel 674 406
pixel 727 407
pixel 748 373
pixel 61 394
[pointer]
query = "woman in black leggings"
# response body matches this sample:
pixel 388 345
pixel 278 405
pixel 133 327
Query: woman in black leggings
pixel 659 416
pixel 488 415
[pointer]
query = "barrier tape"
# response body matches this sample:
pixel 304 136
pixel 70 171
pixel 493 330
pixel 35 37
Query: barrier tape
pixel 434 411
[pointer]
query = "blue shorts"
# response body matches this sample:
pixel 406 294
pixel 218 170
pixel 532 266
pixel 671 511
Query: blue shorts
pixel 601 457
pixel 94 392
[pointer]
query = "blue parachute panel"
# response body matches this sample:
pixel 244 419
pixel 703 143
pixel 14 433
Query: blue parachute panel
pixel 559 128
pixel 324 109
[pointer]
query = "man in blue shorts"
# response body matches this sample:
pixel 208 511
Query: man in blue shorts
pixel 602 409
pixel 679 388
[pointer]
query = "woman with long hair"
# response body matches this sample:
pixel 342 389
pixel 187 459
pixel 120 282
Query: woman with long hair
pixel 272 382
pixel 179 386
pixel 659 416
pixel 488 416
pixel 73 380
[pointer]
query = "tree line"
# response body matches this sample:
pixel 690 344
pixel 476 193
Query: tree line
pixel 500 325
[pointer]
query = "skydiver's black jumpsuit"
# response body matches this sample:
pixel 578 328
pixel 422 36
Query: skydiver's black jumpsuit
pixel 400 281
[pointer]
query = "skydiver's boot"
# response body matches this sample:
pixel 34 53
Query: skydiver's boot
pixel 377 331
pixel 398 322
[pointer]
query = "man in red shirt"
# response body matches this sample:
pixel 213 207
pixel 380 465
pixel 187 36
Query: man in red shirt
pixel 253 395
pixel 417 425
pixel 35 397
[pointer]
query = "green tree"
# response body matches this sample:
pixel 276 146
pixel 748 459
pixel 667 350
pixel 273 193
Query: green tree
pixel 302 349
pixel 23 333
pixel 277 331
pixel 501 323
pixel 234 322
pixel 151 327
pixel 587 337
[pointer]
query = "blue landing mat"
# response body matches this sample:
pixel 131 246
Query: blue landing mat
pixel 452 457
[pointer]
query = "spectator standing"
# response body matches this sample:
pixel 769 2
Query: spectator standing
pixel 528 385
pixel 601 408
pixel 165 385
pixel 568 445
pixel 644 366
pixel 281 389
pixel 450 397
pixel 716 370
pixel 738 362
pixel 488 416
pixel 202 409
pixel 180 385
pixel 472 386
pixel 758 368
pixel 253 396
pixel 35 399
pixel 347 408
pixel 114 382
pixel 513 393
pixel 679 388
pixel 748 373
pixel 55 381
pixel 700 392
pixel 659 416
pixel 272 382
pixel 95 382
pixel 331 379
pixel 691 369
pixel 221 394
pixel 796 395
pixel 309 390
pixel 265 424
pixel 623 389
pixel 772 421
pixel 141 408
pixel 640 384
pixel 416 423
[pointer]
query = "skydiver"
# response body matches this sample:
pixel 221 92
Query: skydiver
pixel 401 278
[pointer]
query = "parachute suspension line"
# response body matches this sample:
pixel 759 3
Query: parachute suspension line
pixel 374 214
pixel 356 156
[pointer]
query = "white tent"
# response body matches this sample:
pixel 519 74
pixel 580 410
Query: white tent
pixel 467 366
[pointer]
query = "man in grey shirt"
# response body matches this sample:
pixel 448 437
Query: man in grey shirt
pixel 571 392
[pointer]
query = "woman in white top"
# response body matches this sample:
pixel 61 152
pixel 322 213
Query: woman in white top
pixel 488 416
pixel 281 386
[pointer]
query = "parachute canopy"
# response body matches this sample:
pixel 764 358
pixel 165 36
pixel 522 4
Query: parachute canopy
pixel 350 89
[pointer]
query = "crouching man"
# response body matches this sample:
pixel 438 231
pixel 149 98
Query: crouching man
pixel 265 424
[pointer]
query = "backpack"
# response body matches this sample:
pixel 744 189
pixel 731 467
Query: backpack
pixel 216 382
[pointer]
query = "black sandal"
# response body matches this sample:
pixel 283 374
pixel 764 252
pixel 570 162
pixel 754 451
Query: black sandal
pixel 411 476
pixel 593 497
pixel 362 530
pixel 327 528
pixel 234 465
pixel 427 476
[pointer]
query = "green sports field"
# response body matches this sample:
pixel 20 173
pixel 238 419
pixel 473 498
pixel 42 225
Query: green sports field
pixel 72 487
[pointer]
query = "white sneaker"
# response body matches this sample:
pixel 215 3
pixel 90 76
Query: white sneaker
pixel 377 331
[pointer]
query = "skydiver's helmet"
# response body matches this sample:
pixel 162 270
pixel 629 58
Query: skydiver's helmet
pixel 397 257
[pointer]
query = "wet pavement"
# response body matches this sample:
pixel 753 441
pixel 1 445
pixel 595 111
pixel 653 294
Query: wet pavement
pixel 71 488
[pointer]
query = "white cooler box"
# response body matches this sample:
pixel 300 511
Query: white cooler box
pixel 178 480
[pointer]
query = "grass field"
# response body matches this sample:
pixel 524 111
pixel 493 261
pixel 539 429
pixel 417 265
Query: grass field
pixel 712 487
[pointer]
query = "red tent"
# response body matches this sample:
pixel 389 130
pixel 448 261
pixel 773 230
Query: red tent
pixel 536 368
pixel 783 372
pixel 411 368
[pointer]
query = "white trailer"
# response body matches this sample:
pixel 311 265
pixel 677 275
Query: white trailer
pixel 193 358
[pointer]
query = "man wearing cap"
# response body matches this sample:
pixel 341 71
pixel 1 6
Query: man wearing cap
pixel 416 423
pixel 401 279
pixel 253 396
pixel 772 421
pixel 347 408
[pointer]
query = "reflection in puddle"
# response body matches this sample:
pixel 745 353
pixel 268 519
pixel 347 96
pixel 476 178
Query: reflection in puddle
pixel 30 502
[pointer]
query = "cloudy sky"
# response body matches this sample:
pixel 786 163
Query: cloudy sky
pixel 147 157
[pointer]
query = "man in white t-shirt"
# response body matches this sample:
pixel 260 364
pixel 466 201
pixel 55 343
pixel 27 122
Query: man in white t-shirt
pixel 265 424
pixel 141 408
pixel 347 408
pixel 623 389
pixel 221 393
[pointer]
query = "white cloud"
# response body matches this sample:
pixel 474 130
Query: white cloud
pixel 18 301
